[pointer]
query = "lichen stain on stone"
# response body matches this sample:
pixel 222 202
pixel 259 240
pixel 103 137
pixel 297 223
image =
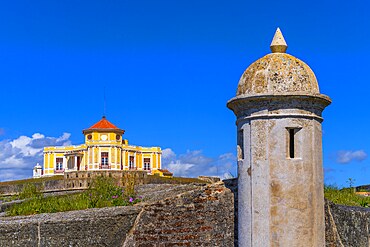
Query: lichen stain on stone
pixel 273 211
pixel 259 152
pixel 275 188
pixel 272 141
pixel 249 171
pixel 277 73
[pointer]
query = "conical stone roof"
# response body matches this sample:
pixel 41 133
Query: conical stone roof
pixel 278 73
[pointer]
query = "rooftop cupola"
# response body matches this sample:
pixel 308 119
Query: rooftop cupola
pixel 103 126
pixel 278 73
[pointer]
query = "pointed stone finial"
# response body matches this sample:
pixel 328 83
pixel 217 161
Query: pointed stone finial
pixel 278 43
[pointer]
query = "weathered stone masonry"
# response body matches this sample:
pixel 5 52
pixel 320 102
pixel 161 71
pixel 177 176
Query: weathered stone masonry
pixel 345 226
pixel 190 215
pixel 183 215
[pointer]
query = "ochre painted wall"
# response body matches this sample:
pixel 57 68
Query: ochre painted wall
pixel 96 142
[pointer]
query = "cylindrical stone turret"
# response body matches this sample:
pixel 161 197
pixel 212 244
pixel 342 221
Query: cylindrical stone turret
pixel 279 142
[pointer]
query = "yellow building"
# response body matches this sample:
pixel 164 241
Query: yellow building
pixel 104 149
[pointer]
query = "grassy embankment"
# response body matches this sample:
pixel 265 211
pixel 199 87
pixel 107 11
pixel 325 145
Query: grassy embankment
pixel 346 196
pixel 103 192
pixel 36 182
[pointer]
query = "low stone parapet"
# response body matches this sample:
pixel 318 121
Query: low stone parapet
pixel 92 227
pixel 171 215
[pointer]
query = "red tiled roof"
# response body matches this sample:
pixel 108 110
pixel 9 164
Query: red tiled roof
pixel 103 124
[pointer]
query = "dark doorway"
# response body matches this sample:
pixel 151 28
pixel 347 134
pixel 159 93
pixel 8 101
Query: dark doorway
pixel 78 162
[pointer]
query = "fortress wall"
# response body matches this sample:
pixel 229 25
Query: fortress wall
pixel 77 180
pixel 345 226
pixel 185 215
pixel 48 185
pixel 201 217
pixel 173 215
pixel 93 227
pixel 80 180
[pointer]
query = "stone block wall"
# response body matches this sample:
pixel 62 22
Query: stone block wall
pixel 78 180
pixel 48 185
pixel 82 179
pixel 232 184
pixel 186 215
pixel 346 226
pixel 202 217
pixel 93 227
pixel 171 215
pixel 209 179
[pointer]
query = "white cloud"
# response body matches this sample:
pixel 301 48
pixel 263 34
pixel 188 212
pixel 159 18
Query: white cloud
pixel 179 169
pixel 38 136
pixel 19 156
pixel 64 138
pixel 226 156
pixel 168 153
pixel 22 144
pixel 195 163
pixel 346 156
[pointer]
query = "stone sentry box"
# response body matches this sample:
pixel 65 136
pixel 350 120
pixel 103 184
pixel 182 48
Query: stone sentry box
pixel 278 108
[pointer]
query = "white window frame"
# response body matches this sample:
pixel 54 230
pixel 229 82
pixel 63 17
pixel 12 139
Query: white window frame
pixel 58 165
pixel 131 165
pixel 147 165
pixel 104 160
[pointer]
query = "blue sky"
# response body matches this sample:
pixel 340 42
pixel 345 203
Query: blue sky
pixel 168 69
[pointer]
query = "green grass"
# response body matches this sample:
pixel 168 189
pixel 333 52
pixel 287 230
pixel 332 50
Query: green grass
pixel 345 196
pixel 8 198
pixel 30 190
pixel 102 193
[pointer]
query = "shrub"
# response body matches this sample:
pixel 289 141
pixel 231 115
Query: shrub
pixel 49 204
pixel 130 183
pixel 345 196
pixel 103 192
pixel 30 190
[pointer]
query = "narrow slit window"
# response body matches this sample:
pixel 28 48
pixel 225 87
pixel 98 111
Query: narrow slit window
pixel 240 146
pixel 291 143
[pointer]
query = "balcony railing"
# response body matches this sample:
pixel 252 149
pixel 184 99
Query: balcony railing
pixel 59 171
pixel 104 166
